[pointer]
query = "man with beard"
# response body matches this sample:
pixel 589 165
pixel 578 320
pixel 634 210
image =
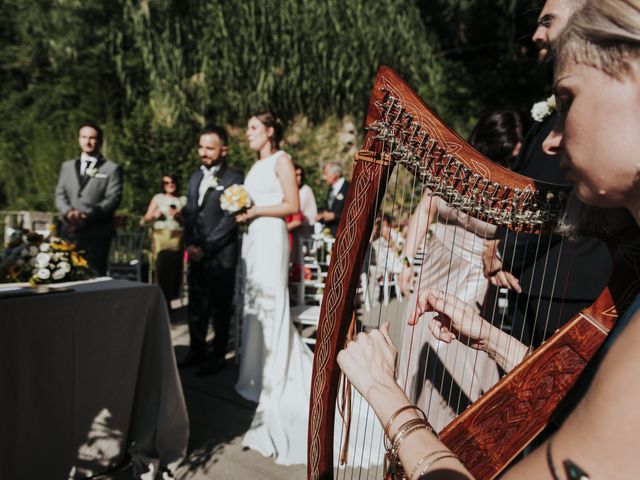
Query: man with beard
pixel 551 279
pixel 88 193
pixel 211 237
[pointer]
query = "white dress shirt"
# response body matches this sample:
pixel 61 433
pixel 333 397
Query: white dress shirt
pixel 209 180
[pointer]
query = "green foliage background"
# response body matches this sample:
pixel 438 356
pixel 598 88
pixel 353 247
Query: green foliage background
pixel 154 72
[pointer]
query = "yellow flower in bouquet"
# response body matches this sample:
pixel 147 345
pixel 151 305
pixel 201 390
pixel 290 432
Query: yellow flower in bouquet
pixel 30 257
pixel 235 199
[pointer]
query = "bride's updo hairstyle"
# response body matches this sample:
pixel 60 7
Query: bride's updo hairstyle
pixel 268 119
pixel 604 34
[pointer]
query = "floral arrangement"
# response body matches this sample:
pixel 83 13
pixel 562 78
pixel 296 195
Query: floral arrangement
pixel 543 109
pixel 29 257
pixel 235 199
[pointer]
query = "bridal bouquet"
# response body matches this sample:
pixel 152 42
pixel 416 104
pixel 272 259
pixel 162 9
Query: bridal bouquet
pixel 29 257
pixel 235 199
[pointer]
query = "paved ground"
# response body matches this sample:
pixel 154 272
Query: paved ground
pixel 218 419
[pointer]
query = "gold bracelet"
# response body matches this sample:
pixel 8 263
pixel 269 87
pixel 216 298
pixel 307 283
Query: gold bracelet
pixel 389 446
pixel 398 412
pixel 430 464
pixel 425 458
pixel 408 431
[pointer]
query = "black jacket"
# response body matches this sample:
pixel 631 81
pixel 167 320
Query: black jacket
pixel 208 226
pixel 583 266
pixel 336 207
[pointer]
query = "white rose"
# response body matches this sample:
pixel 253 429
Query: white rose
pixel 43 274
pixel 540 110
pixel 44 247
pixel 64 266
pixel 33 250
pixel 58 274
pixel 551 102
pixel 43 259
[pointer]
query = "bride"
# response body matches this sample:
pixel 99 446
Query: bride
pixel 275 368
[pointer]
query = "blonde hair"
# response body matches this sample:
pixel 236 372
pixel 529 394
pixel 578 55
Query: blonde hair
pixel 604 34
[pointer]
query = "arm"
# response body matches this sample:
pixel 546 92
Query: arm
pixel 458 320
pixel 294 222
pixel 369 364
pixel 111 201
pixel 608 415
pixel 61 197
pixel 492 268
pixel 153 211
pixel 422 217
pixel 290 203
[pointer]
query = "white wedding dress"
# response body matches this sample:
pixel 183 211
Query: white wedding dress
pixel 276 365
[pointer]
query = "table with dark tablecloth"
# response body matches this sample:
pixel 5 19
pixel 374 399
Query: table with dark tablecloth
pixel 87 377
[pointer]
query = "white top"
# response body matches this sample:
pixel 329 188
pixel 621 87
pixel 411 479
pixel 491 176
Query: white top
pixel 308 205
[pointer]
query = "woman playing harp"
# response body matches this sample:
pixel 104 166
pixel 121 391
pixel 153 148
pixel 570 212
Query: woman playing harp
pixel 598 88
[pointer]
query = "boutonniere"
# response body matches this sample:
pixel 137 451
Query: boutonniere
pixel 211 181
pixel 339 197
pixel 91 171
pixel 543 109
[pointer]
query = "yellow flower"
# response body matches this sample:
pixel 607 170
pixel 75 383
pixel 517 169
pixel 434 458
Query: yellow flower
pixel 78 260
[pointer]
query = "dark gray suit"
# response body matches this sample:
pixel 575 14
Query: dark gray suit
pixel 98 196
pixel 212 279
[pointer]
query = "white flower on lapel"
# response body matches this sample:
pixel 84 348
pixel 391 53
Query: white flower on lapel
pixel 91 171
pixel 339 197
pixel 543 109
pixel 210 181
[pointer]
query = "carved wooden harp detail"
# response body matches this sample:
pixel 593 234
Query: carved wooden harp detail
pixel 401 130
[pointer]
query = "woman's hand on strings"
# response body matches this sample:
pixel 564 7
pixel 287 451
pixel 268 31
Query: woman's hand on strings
pixel 369 361
pixel 454 319
pixel 492 269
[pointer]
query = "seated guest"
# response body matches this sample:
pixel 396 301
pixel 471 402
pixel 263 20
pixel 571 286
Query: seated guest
pixel 166 238
pixel 336 196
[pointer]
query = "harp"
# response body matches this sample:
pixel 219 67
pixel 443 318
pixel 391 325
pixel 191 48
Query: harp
pixel 402 131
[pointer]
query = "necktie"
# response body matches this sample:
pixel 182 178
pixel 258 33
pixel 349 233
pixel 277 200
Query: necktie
pixel 208 181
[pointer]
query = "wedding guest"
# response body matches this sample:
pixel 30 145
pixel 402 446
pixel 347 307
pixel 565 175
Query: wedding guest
pixel 598 90
pixel 581 267
pixel 211 237
pixel 166 237
pixel 336 196
pixel 300 224
pixel 307 202
pixel 452 261
pixel 88 192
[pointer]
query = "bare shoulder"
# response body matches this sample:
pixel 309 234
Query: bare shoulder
pixel 284 158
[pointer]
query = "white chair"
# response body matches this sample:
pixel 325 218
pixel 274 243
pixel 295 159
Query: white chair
pixel 306 318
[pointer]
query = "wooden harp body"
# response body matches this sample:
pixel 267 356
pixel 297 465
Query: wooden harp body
pixel 402 131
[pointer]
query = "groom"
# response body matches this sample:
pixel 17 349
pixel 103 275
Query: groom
pixel 211 237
